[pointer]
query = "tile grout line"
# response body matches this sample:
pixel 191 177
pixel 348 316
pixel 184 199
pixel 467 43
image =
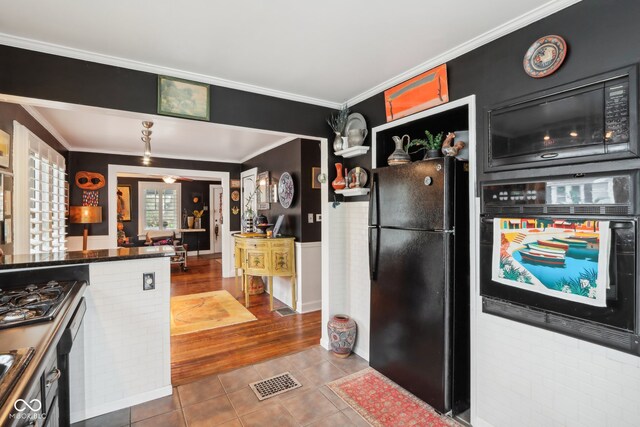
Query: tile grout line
pixel 184 417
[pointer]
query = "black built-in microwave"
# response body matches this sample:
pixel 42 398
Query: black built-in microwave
pixel 589 120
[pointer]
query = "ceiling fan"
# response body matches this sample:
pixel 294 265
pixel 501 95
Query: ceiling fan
pixel 170 179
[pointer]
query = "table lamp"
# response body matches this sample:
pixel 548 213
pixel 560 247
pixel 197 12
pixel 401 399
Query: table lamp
pixel 85 215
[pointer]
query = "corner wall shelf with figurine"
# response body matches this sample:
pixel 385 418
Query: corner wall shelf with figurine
pixel 350 192
pixel 358 150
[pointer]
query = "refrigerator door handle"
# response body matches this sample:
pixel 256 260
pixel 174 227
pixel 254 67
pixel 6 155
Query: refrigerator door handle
pixel 373 252
pixel 374 219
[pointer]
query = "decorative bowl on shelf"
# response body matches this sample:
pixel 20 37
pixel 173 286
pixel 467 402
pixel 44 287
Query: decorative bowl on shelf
pixel 262 228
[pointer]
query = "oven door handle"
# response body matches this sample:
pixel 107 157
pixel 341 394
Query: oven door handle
pixel 486 220
pixel 620 225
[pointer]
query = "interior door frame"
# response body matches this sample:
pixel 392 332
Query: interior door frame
pixel 224 177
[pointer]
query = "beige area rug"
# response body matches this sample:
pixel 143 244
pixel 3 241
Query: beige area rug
pixel 208 310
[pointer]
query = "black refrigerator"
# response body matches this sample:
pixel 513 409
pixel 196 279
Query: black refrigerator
pixel 419 265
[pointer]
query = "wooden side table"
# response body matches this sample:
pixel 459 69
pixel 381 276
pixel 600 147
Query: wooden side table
pixel 273 257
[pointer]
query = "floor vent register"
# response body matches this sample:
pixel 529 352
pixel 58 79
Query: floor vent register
pixel 286 311
pixel 274 386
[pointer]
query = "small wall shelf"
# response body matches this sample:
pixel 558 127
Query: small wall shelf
pixel 349 192
pixel 358 150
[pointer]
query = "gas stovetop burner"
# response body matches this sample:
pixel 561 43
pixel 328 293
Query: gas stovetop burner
pixel 32 303
pixel 17 314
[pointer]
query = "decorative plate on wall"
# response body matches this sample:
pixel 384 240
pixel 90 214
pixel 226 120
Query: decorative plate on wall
pixel 285 190
pixel 545 56
pixel 235 195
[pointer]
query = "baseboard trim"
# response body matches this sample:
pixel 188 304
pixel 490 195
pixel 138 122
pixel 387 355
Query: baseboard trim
pixel 121 404
pixel 324 343
pixel 362 353
pixel 308 244
pixel 310 306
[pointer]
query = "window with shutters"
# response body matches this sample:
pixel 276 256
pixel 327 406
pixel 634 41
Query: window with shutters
pixel 158 206
pixel 39 190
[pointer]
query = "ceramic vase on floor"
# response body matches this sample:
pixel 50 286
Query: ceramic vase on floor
pixel 339 183
pixel 342 331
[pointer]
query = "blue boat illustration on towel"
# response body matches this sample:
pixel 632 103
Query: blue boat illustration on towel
pixel 566 259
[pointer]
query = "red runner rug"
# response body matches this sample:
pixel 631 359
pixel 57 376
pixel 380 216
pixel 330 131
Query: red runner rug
pixel 385 404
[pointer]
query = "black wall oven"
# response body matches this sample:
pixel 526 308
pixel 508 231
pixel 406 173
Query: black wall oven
pixel 611 197
pixel 592 119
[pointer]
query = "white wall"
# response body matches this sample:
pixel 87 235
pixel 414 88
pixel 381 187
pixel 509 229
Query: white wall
pixel 349 269
pixel 527 376
pixel 308 281
pixel 127 354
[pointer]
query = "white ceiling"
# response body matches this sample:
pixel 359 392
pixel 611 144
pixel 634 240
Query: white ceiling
pixel 324 52
pixel 108 131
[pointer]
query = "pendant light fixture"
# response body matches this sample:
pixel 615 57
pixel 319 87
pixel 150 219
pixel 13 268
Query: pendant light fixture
pixel 146 139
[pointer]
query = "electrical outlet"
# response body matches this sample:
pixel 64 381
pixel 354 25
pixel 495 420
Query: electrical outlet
pixel 318 217
pixel 148 281
pixel 310 218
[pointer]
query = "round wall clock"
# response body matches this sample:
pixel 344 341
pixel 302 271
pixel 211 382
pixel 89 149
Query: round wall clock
pixel 235 195
pixel 285 190
pixel 545 56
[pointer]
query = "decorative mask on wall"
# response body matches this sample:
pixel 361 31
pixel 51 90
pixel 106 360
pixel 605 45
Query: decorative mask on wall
pixel 89 180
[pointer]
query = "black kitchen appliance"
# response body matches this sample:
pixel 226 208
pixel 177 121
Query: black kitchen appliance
pixel 612 196
pixel 589 120
pixel 64 347
pixel 32 303
pixel 419 264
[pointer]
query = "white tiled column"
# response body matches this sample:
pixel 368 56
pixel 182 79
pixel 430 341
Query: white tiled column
pixel 127 354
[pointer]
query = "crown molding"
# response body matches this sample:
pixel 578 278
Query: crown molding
pixel 536 14
pixel 521 21
pixel 48 126
pixel 268 147
pixel 54 49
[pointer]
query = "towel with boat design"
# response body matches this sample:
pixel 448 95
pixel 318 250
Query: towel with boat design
pixel 562 258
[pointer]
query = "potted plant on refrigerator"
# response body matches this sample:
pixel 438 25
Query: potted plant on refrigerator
pixel 432 143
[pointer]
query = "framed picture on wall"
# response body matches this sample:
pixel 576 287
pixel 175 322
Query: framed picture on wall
pixel 5 149
pixel 183 98
pixel 234 183
pixel 124 202
pixel 419 93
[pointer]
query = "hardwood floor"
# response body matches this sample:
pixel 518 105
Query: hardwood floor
pixel 200 354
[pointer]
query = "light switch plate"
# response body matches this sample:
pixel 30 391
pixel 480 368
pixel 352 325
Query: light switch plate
pixel 310 218
pixel 318 217
pixel 148 281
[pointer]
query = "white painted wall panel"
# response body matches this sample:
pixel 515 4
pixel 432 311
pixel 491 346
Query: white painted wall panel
pixel 127 358
pixel 531 377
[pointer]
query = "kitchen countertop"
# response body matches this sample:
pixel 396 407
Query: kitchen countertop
pixel 83 257
pixel 42 337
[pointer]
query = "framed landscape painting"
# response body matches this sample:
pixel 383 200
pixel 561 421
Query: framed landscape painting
pixel 183 98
